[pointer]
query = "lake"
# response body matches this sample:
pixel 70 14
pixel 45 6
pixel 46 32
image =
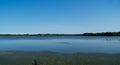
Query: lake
pixel 61 44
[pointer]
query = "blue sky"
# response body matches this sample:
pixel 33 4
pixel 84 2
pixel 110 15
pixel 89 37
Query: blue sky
pixel 59 16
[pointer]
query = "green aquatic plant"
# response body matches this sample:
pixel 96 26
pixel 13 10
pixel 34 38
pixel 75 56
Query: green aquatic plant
pixel 34 62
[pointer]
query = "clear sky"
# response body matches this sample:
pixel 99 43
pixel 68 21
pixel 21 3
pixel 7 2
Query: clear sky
pixel 59 16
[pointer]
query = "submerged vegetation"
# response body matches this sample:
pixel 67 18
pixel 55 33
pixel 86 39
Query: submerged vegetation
pixel 52 58
pixel 84 34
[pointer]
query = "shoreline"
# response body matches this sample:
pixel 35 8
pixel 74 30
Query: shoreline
pixel 20 51
pixel 84 34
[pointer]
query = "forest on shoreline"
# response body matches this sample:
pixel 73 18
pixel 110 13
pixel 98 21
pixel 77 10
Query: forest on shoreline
pixel 84 34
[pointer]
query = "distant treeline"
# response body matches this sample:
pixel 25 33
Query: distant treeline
pixel 84 34
pixel 40 34
pixel 102 34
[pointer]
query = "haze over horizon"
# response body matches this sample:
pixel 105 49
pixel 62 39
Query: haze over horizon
pixel 59 16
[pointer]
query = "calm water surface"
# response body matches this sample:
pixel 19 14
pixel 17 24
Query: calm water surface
pixel 62 44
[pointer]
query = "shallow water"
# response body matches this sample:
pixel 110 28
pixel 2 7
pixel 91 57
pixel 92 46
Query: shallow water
pixel 62 44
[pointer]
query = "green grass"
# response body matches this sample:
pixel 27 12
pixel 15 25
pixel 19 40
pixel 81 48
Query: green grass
pixel 51 58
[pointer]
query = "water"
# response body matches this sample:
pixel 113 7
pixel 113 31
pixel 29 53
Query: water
pixel 62 44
